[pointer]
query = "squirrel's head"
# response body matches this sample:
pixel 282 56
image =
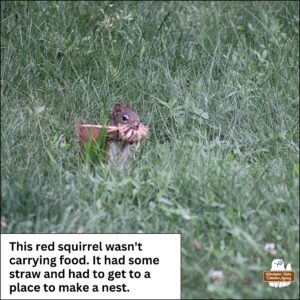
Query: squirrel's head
pixel 124 115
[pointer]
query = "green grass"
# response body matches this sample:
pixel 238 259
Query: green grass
pixel 217 84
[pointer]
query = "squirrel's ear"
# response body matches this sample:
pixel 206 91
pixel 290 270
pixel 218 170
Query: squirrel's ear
pixel 128 106
pixel 118 107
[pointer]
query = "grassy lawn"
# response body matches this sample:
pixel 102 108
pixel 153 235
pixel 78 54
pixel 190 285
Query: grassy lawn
pixel 217 84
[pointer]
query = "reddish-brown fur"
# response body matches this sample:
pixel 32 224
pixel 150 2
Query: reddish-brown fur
pixel 83 133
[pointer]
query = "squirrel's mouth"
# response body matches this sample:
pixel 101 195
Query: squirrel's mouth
pixel 135 125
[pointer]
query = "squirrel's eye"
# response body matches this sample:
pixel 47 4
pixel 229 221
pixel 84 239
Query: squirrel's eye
pixel 125 118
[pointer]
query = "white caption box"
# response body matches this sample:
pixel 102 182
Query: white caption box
pixel 90 266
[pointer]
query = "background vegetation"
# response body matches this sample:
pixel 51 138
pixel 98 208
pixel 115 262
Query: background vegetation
pixel 217 84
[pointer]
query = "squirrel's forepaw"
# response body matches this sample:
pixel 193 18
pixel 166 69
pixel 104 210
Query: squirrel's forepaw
pixel 138 146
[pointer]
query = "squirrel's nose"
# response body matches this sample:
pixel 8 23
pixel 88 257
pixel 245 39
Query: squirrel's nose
pixel 136 125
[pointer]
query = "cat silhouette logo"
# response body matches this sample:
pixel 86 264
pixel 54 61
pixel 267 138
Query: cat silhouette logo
pixel 279 276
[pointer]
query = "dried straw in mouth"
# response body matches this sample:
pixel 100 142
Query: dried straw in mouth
pixel 131 135
pixel 114 133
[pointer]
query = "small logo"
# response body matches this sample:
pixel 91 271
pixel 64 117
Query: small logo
pixel 279 276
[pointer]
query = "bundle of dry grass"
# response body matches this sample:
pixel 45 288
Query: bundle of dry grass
pixel 114 133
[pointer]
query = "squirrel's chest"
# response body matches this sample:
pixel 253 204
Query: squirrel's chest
pixel 118 153
pixel 114 148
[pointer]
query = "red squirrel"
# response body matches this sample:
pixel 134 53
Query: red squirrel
pixel 118 152
pixel 124 129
